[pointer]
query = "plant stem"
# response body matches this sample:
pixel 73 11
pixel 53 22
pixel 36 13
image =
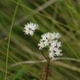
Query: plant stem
pixel 47 69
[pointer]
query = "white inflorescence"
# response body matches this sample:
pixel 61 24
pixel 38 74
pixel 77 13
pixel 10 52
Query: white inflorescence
pixel 51 40
pixel 30 28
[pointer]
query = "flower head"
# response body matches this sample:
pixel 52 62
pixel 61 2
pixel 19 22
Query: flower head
pixel 52 41
pixel 30 28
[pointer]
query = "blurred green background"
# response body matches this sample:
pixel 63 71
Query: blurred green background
pixel 61 16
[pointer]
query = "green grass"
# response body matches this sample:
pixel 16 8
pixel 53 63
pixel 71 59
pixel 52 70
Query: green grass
pixel 61 16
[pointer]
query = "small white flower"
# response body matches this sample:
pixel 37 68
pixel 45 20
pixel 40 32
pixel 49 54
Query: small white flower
pixel 58 52
pixel 55 51
pixel 30 28
pixel 42 45
pixel 44 41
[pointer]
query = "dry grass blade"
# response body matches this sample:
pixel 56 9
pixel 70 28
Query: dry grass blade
pixel 42 61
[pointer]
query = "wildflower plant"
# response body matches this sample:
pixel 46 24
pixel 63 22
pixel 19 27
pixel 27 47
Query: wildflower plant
pixel 50 40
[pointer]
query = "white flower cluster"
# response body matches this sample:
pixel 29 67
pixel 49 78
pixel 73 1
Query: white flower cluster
pixel 51 40
pixel 30 28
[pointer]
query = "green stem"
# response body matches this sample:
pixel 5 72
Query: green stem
pixel 8 45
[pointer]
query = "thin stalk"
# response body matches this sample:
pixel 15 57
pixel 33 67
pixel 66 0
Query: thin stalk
pixel 47 69
pixel 44 55
pixel 8 45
